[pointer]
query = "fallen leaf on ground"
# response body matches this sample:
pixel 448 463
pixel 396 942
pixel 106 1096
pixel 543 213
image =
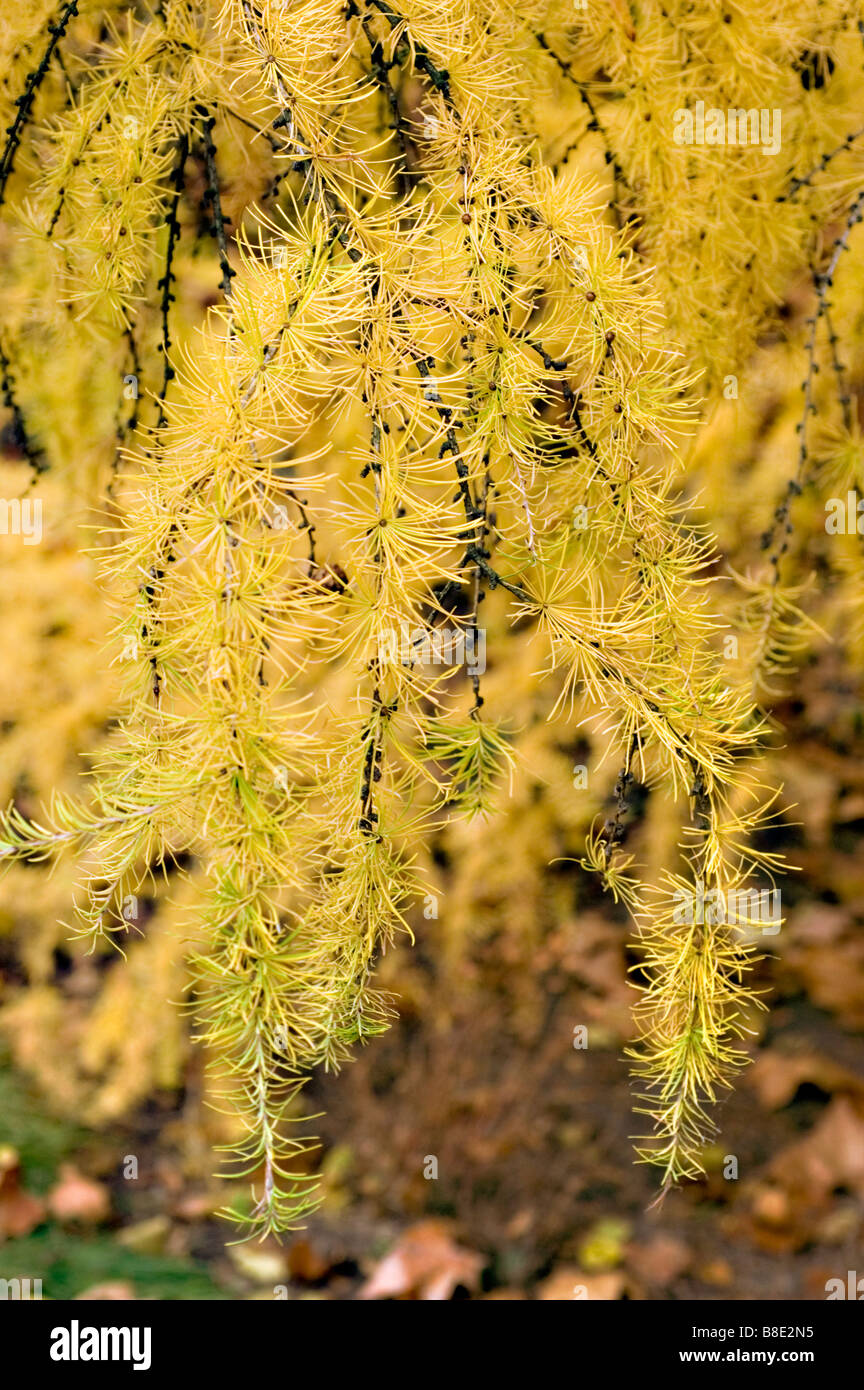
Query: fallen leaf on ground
pixel 776 1076
pixel 196 1206
pixel 263 1265
pixel 146 1237
pixel 831 1156
pixel 659 1261
pixel 718 1273
pixel 797 1189
pixel 19 1210
pixel 833 978
pixel 76 1198
pixel 425 1264
pixel 570 1283
pixel 305 1263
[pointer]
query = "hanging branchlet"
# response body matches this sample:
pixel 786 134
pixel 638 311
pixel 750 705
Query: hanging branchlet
pixel 772 609
pixel 18 437
pixel 441 391
pixel 213 199
pixel 24 103
pixel 166 280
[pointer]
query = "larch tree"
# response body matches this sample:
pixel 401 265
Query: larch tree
pixel 386 361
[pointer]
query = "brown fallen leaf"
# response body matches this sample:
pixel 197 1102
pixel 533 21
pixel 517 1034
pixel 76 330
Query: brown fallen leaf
pixel 425 1264
pixel 20 1211
pixel 660 1261
pixel 76 1198
pixel 306 1263
pixel 776 1076
pixel 795 1192
pixel 771 1206
pixel 834 979
pixel 818 924
pixel 831 1155
pixel 718 1273
pixel 196 1206
pixel 569 1283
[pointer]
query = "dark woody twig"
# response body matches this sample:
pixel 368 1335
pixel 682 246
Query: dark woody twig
pixel 776 538
pixel 21 438
pixel 213 197
pixel 25 101
pixel 165 282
